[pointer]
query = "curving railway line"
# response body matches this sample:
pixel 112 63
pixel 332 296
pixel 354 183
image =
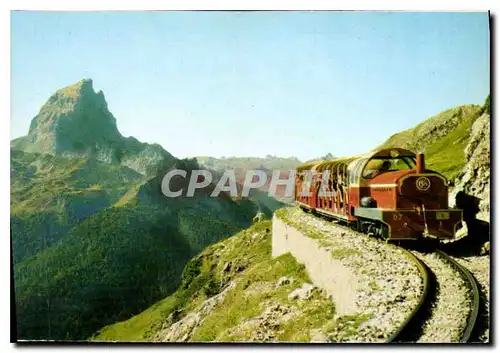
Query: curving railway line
pixel 449 290
pixel 407 330
pixel 449 305
pixel 467 332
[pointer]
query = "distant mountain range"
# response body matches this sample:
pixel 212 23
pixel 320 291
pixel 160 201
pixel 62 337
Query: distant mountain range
pixel 241 165
pixel 267 163
pixel 326 157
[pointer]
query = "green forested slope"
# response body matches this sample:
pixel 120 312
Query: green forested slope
pixel 109 266
pixel 50 194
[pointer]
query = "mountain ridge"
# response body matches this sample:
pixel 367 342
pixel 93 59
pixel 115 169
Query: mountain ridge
pixel 76 122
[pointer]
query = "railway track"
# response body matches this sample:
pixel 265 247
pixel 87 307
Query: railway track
pixel 406 330
pixel 474 293
pixel 423 318
pixel 479 266
pixel 447 311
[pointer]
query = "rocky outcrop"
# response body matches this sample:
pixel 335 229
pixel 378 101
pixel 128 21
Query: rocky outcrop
pixel 472 191
pixel 265 326
pixel 76 122
pixel 474 179
pixel 182 330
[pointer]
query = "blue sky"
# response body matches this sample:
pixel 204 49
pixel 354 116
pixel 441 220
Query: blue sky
pixel 254 83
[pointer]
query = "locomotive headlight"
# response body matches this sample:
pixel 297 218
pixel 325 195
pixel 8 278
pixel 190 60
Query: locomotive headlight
pixel 423 184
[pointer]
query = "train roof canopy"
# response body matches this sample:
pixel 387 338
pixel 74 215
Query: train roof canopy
pixel 393 153
pixel 323 165
pixel 334 163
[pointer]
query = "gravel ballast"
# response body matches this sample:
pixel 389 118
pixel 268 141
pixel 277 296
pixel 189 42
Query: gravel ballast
pixel 452 304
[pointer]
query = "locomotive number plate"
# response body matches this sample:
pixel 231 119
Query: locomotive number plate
pixel 443 215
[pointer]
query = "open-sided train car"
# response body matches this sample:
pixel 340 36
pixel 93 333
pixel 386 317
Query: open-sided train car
pixel 388 193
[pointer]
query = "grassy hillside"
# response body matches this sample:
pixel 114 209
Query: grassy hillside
pixel 442 138
pixel 94 243
pixel 239 278
pixel 49 195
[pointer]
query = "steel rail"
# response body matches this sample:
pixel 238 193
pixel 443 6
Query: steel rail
pixel 471 283
pixel 426 281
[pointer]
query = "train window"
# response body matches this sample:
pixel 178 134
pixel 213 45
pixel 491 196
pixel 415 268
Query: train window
pixel 357 170
pixel 380 165
pixel 354 170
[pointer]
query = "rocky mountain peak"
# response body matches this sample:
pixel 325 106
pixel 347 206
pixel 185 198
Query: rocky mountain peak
pixel 76 121
pixel 78 89
pixel 72 120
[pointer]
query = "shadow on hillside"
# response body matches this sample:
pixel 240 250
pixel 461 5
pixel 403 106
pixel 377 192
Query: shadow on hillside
pixel 478 230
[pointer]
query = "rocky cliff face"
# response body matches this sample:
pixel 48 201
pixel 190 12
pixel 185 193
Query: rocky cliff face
pixel 474 179
pixel 75 122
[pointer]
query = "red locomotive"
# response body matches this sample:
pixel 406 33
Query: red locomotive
pixel 387 193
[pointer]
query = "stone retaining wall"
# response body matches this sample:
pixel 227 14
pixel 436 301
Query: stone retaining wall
pixel 325 272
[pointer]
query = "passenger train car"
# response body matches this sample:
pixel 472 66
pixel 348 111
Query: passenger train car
pixel 388 194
